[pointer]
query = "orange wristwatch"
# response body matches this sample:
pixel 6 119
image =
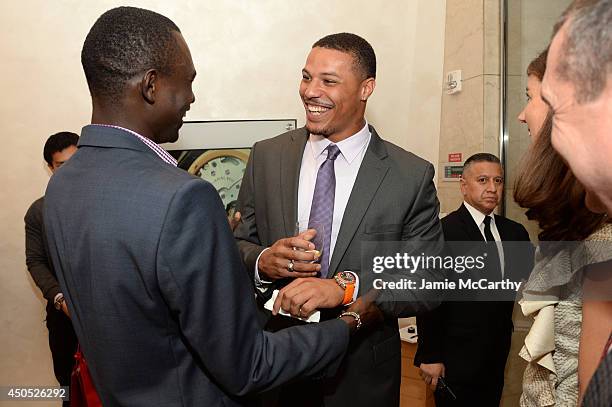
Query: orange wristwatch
pixel 346 280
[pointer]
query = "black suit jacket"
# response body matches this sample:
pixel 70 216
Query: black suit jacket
pixel 393 199
pixel 158 295
pixel 473 338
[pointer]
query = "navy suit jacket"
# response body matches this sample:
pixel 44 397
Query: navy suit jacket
pixel 160 302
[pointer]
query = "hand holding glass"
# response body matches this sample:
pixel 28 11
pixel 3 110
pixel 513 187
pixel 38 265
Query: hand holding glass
pixel 301 227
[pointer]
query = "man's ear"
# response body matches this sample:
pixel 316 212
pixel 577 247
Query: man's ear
pixel 463 185
pixel 367 87
pixel 149 84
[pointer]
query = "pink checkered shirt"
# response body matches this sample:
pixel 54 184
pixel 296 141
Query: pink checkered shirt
pixel 161 153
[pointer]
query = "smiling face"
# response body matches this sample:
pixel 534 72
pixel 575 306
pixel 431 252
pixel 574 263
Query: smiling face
pixel 334 93
pixel 535 111
pixel 482 184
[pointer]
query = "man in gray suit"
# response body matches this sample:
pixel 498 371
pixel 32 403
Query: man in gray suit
pixel 144 255
pixel 338 172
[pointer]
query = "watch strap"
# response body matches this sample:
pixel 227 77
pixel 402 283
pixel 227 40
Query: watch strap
pixel 349 290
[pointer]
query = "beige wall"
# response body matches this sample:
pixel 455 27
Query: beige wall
pixel 470 118
pixel 248 55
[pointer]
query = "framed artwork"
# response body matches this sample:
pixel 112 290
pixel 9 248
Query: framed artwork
pixel 218 151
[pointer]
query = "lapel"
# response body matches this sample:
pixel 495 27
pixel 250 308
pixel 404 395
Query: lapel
pixel 290 164
pixel 371 173
pixel 504 233
pixel 470 226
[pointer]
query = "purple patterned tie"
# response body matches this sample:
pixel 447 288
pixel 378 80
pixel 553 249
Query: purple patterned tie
pixel 322 208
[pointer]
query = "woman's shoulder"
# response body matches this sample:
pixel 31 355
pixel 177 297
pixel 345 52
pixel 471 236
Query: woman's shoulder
pixel 603 234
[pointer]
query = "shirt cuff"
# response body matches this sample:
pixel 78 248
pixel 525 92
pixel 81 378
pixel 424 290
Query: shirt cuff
pixel 258 281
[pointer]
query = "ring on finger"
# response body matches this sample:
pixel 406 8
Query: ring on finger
pixel 290 265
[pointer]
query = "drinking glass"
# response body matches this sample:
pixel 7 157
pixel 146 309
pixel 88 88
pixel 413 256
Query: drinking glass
pixel 302 226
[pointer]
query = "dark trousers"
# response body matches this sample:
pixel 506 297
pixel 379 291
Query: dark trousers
pixel 476 376
pixel 484 394
pixel 63 344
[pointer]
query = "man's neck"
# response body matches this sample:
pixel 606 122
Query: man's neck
pixel 470 206
pixel 112 117
pixel 336 138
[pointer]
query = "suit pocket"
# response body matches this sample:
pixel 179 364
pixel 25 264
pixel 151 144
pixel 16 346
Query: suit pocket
pixel 383 228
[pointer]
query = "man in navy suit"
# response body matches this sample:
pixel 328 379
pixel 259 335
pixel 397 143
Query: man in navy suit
pixel 467 342
pixel 160 302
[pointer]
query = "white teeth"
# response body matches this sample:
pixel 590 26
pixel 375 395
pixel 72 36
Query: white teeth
pixel 316 109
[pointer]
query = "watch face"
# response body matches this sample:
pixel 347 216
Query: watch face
pixel 347 277
pixel 225 173
pixel 224 169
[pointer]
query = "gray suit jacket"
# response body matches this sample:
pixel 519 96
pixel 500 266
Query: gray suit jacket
pixel 393 199
pixel 159 299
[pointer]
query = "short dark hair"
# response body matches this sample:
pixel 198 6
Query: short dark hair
pixel 586 60
pixel 478 158
pixel 123 42
pixel 360 49
pixel 57 142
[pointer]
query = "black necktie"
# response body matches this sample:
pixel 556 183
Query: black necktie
pixel 492 249
pixel 488 234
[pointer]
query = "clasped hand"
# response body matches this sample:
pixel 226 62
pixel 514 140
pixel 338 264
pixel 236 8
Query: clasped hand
pixel 303 296
pixel 274 263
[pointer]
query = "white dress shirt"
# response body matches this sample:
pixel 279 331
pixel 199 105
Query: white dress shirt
pixel 479 219
pixel 346 167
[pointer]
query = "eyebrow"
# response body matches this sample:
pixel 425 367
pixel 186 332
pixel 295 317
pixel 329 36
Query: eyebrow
pixel 335 75
pixel 329 74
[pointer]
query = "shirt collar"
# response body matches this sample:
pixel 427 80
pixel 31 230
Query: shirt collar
pixel 157 149
pixel 477 215
pixel 350 147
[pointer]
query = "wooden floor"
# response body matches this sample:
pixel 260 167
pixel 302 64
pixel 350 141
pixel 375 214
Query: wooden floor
pixel 413 391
